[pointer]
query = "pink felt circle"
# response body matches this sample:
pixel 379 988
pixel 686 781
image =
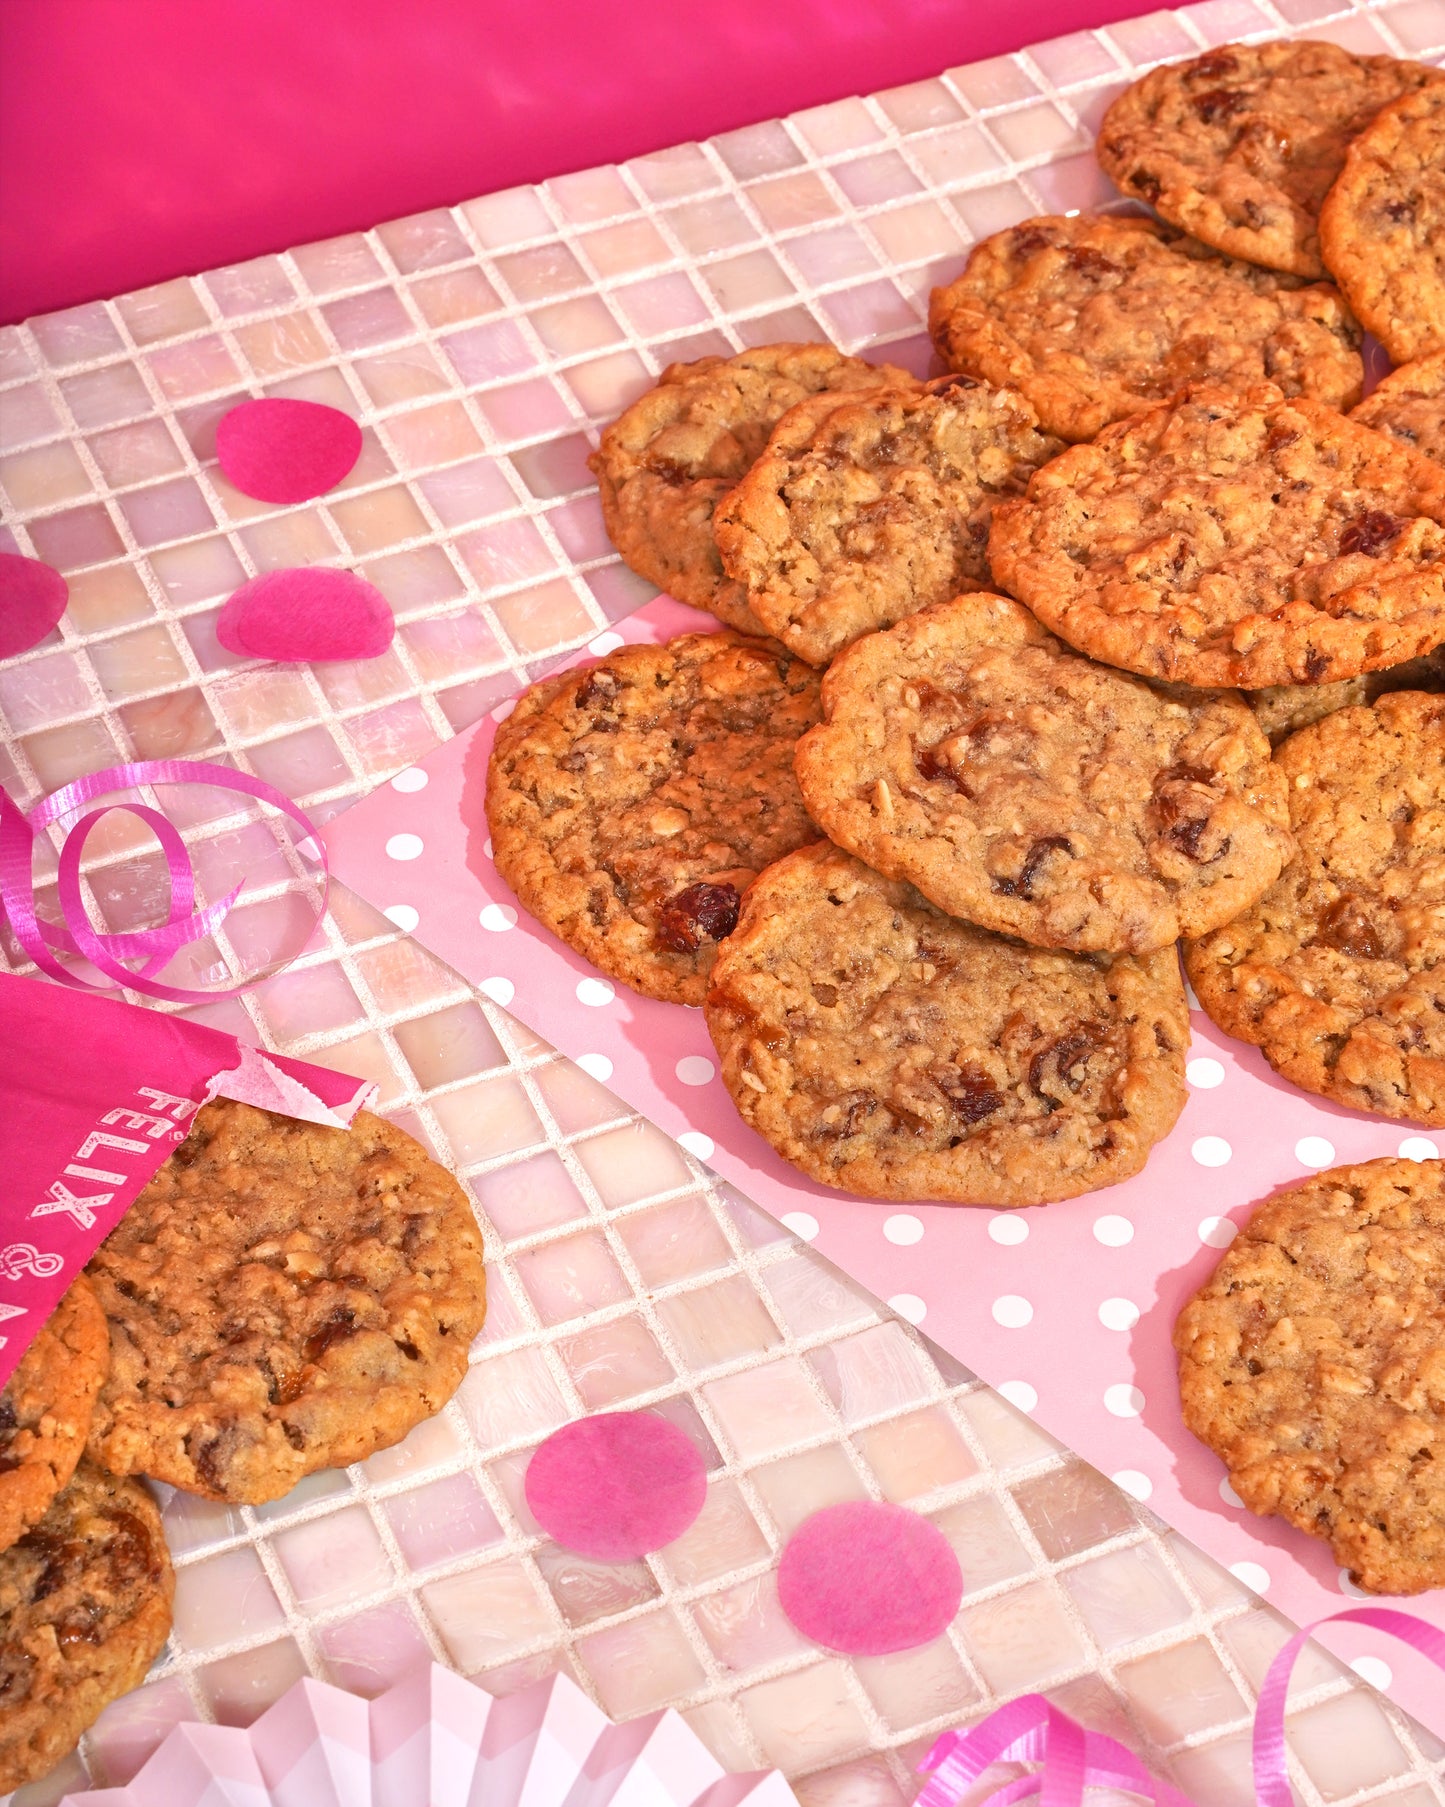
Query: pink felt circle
pixel 616 1485
pixel 286 451
pixel 868 1579
pixel 311 613
pixel 32 600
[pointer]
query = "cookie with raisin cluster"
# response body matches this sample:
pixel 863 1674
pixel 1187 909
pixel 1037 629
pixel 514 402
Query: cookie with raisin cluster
pixel 1338 972
pixel 85 1605
pixel 1241 145
pixel 632 803
pixel 892 1051
pixel 1311 1362
pixel 1037 793
pixel 282 1297
pixel 1409 406
pixel 1097 316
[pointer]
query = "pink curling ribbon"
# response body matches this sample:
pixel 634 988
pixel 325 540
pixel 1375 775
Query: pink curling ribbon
pixel 1271 1779
pixel 153 947
pixel 1030 1730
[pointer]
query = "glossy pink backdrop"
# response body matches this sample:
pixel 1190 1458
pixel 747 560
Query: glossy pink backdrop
pixel 140 142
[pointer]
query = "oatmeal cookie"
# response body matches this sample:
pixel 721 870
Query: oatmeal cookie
pixel 632 803
pixel 46 1406
pixel 1285 709
pixel 1382 227
pixel 1233 540
pixel 1038 794
pixel 1410 406
pixel 663 466
pixel 851 521
pixel 1313 1363
pixel 1241 145
pixel 891 1051
pixel 1097 317
pixel 282 1297
pixel 85 1605
pixel 1338 972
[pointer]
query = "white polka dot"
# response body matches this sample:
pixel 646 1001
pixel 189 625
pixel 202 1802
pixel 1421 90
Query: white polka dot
pixel 1346 1586
pixel 498 917
pixel 1204 1073
pixel 500 991
pixel 1012 1311
pixel 1211 1151
pixel 1118 1314
pixel 487 847
pixel 1252 1575
pixel 910 1306
pixel 1137 1486
pixel 1191 997
pixel 1113 1231
pixel 1019 1393
pixel 402 915
pixel 604 644
pixel 412 779
pixel 1217 1232
pixel 903 1228
pixel 595 992
pixel 1314 1151
pixel 695 1069
pixel 598 1065
pixel 1008 1230
pixel 404 847
pixel 503 710
pixel 1228 1495
pixel 1418 1148
pixel 1373 1669
pixel 801 1223
pixel 696 1143
pixel 1123 1400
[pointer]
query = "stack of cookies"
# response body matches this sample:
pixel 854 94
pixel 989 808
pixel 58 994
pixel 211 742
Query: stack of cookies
pixel 280 1298
pixel 1125 633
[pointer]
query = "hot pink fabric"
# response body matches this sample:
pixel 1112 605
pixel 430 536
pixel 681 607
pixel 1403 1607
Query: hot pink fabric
pixel 312 613
pixel 32 599
pixel 868 1579
pixel 280 450
pixel 616 1485
pixel 141 142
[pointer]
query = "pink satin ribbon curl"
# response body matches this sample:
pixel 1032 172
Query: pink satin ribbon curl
pixel 183 924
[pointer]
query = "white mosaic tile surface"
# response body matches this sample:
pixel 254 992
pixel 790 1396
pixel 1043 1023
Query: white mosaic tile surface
pixel 481 347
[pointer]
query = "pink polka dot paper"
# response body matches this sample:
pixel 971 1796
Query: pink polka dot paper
pixel 1066 1309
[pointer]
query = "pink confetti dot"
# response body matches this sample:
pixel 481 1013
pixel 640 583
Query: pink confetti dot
pixel 616 1485
pixel 32 600
pixel 286 451
pixel 312 613
pixel 867 1579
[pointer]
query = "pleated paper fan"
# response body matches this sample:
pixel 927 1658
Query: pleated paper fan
pixel 437 1740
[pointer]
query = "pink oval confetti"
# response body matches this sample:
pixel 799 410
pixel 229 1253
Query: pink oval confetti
pixel 310 613
pixel 286 451
pixel 616 1485
pixel 867 1579
pixel 32 600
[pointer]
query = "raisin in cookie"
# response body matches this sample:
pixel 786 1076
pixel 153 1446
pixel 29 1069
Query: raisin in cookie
pixel 1096 317
pixel 1286 709
pixel 1382 228
pixel 662 467
pixel 1037 793
pixel 1233 540
pixel 855 518
pixel 282 1297
pixel 891 1051
pixel 85 1605
pixel 1241 145
pixel 46 1407
pixel 1313 1363
pixel 1410 406
pixel 632 803
pixel 1338 972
